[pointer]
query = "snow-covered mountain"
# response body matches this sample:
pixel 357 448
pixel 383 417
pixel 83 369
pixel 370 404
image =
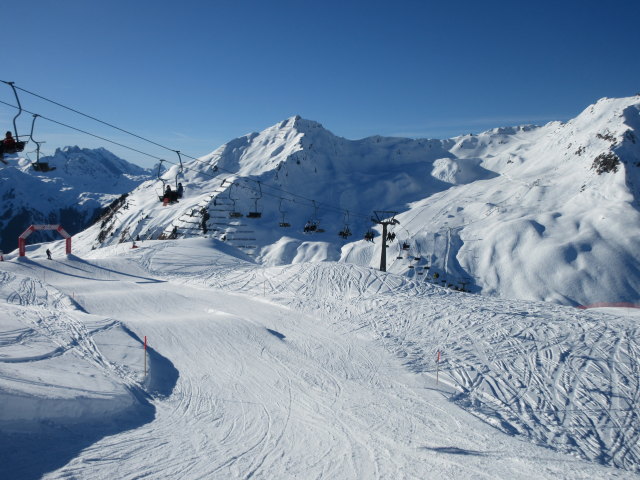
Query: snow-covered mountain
pixel 536 212
pixel 83 183
pixel 265 359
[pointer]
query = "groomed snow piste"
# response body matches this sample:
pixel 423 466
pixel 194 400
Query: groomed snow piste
pixel 313 370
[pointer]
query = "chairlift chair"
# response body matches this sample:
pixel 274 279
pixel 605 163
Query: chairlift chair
pixel 16 148
pixel 313 225
pixel 19 144
pixel 38 166
pixel 346 231
pixel 256 213
pixel 162 196
pixel 234 213
pixel 310 227
pixel 42 167
pixel 283 223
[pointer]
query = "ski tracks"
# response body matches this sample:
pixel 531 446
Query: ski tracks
pixel 47 313
pixel 574 371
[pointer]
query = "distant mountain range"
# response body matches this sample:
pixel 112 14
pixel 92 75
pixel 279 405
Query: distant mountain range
pixel 533 212
pixel 83 183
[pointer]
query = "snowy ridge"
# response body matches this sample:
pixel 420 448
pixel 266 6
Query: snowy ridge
pixel 519 212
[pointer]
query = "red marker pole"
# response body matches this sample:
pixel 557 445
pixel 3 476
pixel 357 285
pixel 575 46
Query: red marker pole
pixel 145 355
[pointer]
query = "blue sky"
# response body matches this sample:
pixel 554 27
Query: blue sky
pixel 193 75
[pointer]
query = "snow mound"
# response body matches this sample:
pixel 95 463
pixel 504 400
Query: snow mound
pixel 95 362
pixel 67 377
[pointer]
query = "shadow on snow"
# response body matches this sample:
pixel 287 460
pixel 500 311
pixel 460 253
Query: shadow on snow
pixel 51 445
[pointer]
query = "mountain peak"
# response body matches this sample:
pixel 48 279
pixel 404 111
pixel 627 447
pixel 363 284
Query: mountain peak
pixel 304 125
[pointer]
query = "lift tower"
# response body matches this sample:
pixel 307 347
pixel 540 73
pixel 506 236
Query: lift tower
pixel 384 218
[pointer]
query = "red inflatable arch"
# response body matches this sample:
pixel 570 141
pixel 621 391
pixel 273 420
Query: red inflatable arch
pixel 22 239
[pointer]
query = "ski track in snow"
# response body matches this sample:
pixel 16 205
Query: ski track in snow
pixel 576 375
pixel 326 371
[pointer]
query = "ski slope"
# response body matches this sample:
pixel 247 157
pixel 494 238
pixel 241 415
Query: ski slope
pixel 313 370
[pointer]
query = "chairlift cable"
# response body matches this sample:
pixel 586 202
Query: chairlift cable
pixel 310 201
pixel 88 133
pixel 315 204
pixel 326 206
pixel 85 115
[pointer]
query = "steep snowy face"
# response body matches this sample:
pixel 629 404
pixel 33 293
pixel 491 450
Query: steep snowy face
pixel 97 169
pixel 526 212
pixel 258 188
pixel 558 223
pixel 83 182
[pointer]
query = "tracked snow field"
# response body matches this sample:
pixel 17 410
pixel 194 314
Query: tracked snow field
pixel 306 371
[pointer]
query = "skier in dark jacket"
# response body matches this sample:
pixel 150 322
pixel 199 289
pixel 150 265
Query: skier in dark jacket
pixel 48 254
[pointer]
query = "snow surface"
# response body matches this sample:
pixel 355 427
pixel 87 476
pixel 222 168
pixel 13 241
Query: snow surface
pixel 311 370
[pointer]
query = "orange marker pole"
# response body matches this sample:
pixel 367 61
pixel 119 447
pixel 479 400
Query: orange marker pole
pixel 145 355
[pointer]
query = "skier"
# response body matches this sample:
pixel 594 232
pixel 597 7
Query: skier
pixel 48 254
pixel 180 190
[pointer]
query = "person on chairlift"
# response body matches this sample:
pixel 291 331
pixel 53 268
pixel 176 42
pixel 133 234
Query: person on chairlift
pixel 7 145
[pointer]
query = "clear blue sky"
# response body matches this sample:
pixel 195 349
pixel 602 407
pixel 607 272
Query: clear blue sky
pixel 195 74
